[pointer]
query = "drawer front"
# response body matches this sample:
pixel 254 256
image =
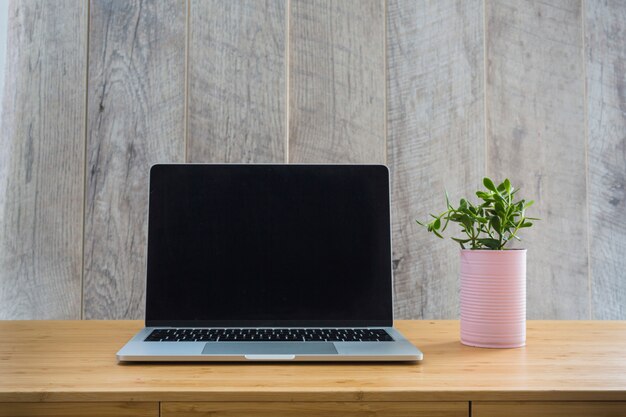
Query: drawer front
pixel 315 409
pixel 549 409
pixel 101 409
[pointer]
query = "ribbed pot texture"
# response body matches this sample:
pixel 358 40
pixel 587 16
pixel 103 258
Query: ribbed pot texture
pixel 493 298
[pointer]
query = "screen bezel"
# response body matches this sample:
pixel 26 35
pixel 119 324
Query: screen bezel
pixel 387 321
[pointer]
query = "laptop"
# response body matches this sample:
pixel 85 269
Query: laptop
pixel 262 262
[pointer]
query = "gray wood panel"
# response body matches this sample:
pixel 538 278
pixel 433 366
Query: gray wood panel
pixel 535 137
pixel 135 118
pixel 41 160
pixel 337 81
pixel 395 81
pixel 237 81
pixel 605 58
pixel 435 142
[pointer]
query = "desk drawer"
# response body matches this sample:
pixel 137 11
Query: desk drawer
pixel 315 409
pixel 71 409
pixel 549 409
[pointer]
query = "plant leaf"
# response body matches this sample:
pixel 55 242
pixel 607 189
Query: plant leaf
pixel 507 185
pixel 489 184
pixel 495 224
pixel 467 222
pixel 460 240
pixel 490 243
pixel 456 217
pixel 483 195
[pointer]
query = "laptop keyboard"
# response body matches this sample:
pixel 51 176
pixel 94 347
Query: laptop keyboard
pixel 269 335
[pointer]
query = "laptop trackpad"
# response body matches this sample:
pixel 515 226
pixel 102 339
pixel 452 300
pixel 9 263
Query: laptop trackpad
pixel 269 348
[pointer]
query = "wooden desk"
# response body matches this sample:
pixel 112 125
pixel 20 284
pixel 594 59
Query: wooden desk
pixel 59 368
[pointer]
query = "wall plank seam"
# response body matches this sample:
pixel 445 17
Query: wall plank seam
pixel 81 313
pixel 586 140
pixel 186 99
pixel 485 107
pixel 287 80
pixel 386 81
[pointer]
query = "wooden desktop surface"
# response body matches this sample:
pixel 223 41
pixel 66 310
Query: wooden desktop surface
pixel 75 361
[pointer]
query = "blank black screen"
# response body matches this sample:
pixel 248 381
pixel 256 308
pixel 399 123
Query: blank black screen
pixel 265 245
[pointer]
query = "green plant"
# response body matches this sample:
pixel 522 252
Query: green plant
pixel 488 225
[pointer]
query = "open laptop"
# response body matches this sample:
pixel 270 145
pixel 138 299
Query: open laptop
pixel 269 263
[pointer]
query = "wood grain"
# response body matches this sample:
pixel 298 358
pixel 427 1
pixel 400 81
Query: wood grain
pixel 75 361
pixel 135 119
pixel 549 409
pixel 535 137
pixel 237 81
pixel 435 142
pixel 605 59
pixel 337 81
pixel 241 56
pixel 103 409
pixel 316 409
pixel 41 160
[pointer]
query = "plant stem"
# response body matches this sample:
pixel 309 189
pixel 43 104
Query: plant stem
pixel 517 227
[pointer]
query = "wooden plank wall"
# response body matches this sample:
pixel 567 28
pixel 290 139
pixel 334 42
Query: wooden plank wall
pixel 237 81
pixel 605 60
pixel 42 163
pixel 443 92
pixel 337 81
pixel 435 141
pixel 536 137
pixel 135 118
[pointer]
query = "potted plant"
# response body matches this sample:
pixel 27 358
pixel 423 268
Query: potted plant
pixel 493 278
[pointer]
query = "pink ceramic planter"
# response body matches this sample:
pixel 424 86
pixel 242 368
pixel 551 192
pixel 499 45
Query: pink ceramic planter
pixel 493 298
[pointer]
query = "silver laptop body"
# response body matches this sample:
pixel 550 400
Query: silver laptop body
pixel 263 262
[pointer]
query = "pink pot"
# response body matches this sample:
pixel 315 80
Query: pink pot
pixel 493 298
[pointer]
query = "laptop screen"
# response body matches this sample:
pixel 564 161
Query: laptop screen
pixel 269 245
